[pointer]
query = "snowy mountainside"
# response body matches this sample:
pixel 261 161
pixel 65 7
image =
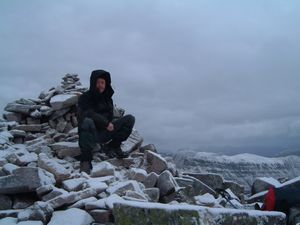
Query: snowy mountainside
pixel 242 168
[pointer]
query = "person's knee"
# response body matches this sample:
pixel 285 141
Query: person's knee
pixel 130 119
pixel 87 123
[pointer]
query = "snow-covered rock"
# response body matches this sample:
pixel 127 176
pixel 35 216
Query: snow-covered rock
pixel 144 213
pixel 64 149
pixel 155 163
pixel 63 101
pixel 103 169
pixel 53 167
pixel 241 168
pixel 24 180
pixel 72 216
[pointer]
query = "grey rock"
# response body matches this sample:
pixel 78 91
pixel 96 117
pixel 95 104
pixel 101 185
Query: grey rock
pixel 53 167
pixel 30 222
pixel 102 215
pixel 25 180
pixel 152 194
pixel 63 101
pixel 138 174
pixel 30 128
pixel 39 211
pixel 67 217
pixel 263 183
pixel 61 125
pixel 133 142
pixel 43 190
pixel 58 113
pixel 200 188
pixel 36 114
pixel 32 121
pixel 81 203
pixel 237 189
pixel 72 197
pixel 155 163
pixel 55 192
pixel 18 133
pixel 166 183
pixel 22 157
pixel 64 149
pixel 150 180
pixel 136 196
pixel 13 117
pixel 146 213
pixel 8 168
pixel 120 188
pixel 5 202
pixel 75 184
pixel 18 108
pixel 184 182
pixel 212 180
pixel 103 169
pixel 9 213
pixel 149 147
pixel 23 201
pixel 99 204
pixel 8 220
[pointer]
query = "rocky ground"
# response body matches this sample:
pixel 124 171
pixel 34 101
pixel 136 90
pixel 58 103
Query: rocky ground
pixel 40 182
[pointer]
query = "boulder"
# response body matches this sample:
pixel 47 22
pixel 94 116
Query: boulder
pixel 74 184
pixel 131 213
pixel 59 102
pixel 152 194
pixel 53 167
pixel 64 149
pixel 103 169
pixel 30 128
pixel 72 216
pixel 120 188
pixel 212 180
pixel 151 180
pixel 155 163
pixel 72 197
pixel 5 202
pixel 39 211
pixel 24 180
pixel 149 147
pixel 166 183
pixel 263 183
pixel 137 174
pixel 81 203
pixel 133 142
pixel 102 215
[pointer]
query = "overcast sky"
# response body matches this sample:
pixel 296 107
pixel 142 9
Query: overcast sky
pixel 205 75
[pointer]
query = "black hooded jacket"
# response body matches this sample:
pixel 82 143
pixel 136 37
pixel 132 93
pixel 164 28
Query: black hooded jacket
pixel 95 105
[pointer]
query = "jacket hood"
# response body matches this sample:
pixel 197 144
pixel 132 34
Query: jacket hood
pixel 108 92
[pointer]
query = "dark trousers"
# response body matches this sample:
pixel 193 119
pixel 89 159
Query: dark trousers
pixel 89 135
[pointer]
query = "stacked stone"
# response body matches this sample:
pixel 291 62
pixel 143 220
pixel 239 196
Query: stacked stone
pixel 40 182
pixel 55 109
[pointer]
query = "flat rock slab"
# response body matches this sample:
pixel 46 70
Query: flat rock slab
pixel 25 179
pixel 64 149
pixel 72 216
pixel 133 213
pixel 63 101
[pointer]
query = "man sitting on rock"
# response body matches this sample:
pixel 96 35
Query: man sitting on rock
pixel 96 124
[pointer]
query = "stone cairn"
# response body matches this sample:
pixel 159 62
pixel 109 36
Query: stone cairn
pixel 40 182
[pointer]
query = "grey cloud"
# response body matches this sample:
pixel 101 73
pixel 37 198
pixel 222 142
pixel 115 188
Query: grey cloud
pixel 209 75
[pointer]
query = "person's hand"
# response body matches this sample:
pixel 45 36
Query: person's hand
pixel 110 127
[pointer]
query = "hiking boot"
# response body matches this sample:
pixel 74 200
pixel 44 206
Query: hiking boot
pixel 85 166
pixel 119 153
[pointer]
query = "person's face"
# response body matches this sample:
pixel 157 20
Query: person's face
pixel 100 85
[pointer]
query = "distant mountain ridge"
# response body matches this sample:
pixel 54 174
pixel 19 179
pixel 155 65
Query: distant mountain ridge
pixel 242 168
